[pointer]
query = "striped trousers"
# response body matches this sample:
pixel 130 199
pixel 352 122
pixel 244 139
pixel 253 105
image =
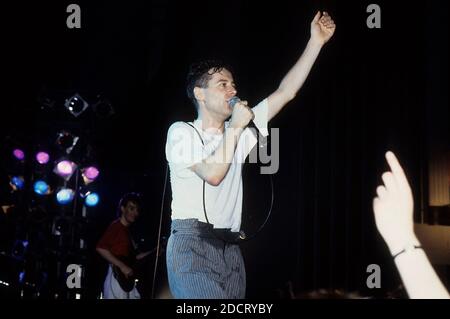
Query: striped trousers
pixel 202 266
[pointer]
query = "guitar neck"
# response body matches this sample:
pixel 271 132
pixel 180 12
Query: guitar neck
pixel 145 254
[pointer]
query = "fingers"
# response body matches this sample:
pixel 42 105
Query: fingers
pixel 381 192
pixel 329 26
pixel 397 170
pixel 325 17
pixel 326 21
pixel 245 103
pixel 242 108
pixel 242 102
pixel 316 17
pixel 389 181
pixel 251 112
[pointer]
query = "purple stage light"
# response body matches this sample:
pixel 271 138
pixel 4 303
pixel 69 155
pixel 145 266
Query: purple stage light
pixel 91 172
pixel 64 168
pixel 19 154
pixel 42 157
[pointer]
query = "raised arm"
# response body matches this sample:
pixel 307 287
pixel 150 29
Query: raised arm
pixel 393 210
pixel 322 29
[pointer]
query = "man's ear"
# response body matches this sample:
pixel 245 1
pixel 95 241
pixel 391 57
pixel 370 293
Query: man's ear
pixel 199 93
pixel 122 210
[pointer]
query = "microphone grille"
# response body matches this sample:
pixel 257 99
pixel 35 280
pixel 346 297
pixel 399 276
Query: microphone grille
pixel 233 101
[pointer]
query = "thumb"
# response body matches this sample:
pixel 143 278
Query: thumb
pixel 316 17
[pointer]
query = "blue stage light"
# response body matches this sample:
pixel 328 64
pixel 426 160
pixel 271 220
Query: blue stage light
pixel 41 188
pixel 65 196
pixel 92 199
pixel 18 182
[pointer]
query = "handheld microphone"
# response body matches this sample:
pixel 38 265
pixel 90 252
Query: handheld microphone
pixel 232 102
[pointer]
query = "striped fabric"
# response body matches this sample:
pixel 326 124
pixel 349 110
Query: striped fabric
pixel 201 266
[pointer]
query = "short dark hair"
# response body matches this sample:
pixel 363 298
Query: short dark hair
pixel 127 198
pixel 200 73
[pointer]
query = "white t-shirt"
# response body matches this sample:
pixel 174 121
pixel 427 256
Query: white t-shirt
pixel 223 202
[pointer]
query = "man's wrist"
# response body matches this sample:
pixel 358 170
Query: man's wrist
pixel 234 129
pixel 314 42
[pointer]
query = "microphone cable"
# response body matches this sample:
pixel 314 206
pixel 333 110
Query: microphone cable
pixel 242 236
pixel 158 247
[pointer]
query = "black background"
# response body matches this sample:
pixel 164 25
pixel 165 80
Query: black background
pixel 370 90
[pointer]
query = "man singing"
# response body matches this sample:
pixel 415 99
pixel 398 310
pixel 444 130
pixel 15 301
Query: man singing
pixel 209 152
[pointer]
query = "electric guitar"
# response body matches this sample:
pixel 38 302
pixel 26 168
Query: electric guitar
pixel 128 283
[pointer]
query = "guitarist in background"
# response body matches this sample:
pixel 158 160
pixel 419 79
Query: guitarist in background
pixel 118 248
